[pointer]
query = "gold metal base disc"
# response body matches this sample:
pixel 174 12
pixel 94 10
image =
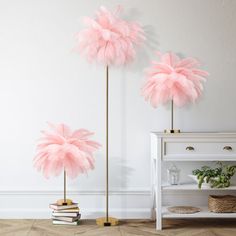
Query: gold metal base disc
pixel 61 202
pixel 172 131
pixel 103 222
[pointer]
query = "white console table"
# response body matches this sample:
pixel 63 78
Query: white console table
pixel 187 149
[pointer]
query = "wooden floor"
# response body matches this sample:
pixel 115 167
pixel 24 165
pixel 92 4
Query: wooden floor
pixel 126 228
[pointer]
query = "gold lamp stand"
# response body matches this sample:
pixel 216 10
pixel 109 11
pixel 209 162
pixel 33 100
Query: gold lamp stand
pixel 107 221
pixel 64 201
pixel 172 130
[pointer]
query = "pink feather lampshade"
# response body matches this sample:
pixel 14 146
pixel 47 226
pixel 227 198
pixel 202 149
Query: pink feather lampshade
pixel 109 40
pixel 173 79
pixel 63 150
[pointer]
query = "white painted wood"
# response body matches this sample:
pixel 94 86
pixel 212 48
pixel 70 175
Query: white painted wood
pixel 203 135
pixel 204 213
pixel 211 148
pixel 173 147
pixel 200 147
pixel 199 158
pixel 158 187
pixel 153 173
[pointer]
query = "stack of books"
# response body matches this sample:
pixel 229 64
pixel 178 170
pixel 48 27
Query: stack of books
pixel 65 214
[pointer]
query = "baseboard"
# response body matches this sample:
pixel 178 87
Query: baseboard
pixel 86 214
pixel 124 204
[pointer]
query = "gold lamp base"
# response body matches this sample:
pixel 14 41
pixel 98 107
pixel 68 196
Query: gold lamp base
pixel 172 131
pixel 103 221
pixel 62 202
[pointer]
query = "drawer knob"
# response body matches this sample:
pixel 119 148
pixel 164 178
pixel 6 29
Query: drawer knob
pixel 228 148
pixel 189 148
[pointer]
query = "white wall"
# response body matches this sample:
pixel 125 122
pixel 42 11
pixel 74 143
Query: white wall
pixel 41 80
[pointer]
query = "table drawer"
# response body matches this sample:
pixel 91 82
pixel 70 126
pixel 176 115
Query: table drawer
pixel 191 149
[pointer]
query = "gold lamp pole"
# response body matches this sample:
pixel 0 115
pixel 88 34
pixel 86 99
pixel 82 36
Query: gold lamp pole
pixel 107 221
pixel 64 201
pixel 172 130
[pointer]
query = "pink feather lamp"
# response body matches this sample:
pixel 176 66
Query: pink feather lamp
pixel 109 40
pixel 173 79
pixel 61 150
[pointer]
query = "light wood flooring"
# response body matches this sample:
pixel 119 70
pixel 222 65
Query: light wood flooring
pixel 125 228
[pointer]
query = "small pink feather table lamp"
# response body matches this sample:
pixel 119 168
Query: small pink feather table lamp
pixel 61 150
pixel 173 79
pixel 109 40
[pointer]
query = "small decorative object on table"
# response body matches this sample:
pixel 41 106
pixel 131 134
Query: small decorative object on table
pixel 222 204
pixel 62 150
pixel 173 79
pixel 218 177
pixel 173 175
pixel 184 209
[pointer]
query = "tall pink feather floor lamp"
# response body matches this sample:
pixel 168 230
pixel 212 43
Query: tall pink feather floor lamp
pixel 173 79
pixel 109 40
pixel 61 150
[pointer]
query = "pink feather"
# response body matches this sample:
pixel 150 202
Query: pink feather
pixel 62 149
pixel 173 78
pixel 108 39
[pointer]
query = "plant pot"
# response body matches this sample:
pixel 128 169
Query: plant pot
pixel 204 184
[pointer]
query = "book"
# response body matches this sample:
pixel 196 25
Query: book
pixel 55 206
pixel 67 219
pixel 67 214
pixel 68 210
pixel 59 222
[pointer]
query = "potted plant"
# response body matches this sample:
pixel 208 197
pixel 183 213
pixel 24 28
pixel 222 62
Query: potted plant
pixel 217 177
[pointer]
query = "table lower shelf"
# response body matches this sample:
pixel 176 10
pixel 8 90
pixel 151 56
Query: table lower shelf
pixel 204 213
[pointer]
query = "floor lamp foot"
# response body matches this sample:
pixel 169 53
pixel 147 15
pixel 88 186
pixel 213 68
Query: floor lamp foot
pixel 104 222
